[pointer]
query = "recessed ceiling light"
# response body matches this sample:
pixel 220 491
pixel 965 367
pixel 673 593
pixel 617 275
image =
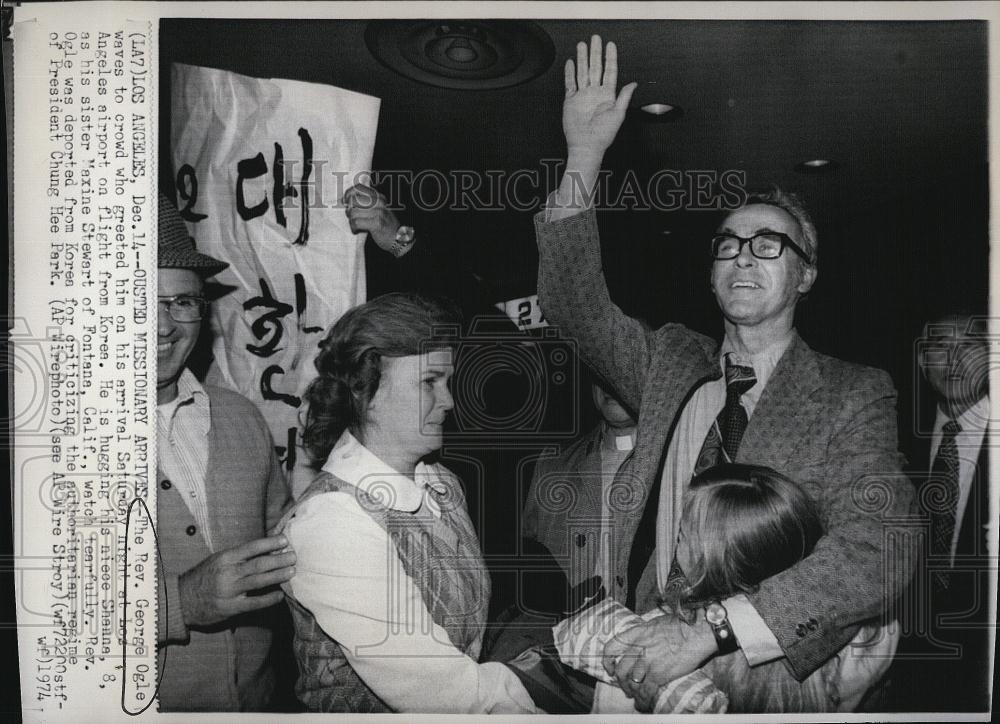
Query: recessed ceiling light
pixel 657 109
pixel 462 54
pixel 816 165
pixel 657 112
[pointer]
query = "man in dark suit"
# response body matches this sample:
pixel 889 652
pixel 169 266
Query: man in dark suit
pixel 762 397
pixel 568 525
pixel 944 661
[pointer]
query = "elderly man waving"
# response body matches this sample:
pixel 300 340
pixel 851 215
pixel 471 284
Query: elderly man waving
pixel 762 396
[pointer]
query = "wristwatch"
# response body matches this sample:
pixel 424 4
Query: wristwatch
pixel 718 618
pixel 405 238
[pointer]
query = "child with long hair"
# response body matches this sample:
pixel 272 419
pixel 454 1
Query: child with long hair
pixel 740 525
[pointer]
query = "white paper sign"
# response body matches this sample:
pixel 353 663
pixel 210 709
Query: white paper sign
pixel 525 312
pixel 260 165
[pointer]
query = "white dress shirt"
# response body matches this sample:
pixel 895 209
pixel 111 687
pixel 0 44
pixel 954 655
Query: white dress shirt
pixel 969 442
pixel 350 577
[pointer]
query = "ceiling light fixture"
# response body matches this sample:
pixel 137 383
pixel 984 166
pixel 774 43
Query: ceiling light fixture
pixel 816 165
pixel 462 54
pixel 656 112
pixel 657 109
pixel 461 51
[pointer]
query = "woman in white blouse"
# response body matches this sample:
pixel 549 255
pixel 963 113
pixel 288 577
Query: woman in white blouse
pixel 390 592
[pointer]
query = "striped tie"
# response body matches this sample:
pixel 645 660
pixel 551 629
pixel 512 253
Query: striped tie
pixel 944 478
pixel 724 437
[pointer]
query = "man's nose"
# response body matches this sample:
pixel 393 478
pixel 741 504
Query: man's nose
pixel 745 258
pixel 164 322
pixel 444 399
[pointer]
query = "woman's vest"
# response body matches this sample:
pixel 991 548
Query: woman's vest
pixel 443 558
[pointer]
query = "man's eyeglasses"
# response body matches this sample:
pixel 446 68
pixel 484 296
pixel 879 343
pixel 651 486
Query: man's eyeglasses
pixel 184 307
pixel 766 245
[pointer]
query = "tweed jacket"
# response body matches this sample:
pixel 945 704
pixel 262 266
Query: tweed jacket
pixel 224 668
pixel 563 510
pixel 828 424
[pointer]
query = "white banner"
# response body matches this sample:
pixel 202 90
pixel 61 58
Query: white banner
pixel 259 167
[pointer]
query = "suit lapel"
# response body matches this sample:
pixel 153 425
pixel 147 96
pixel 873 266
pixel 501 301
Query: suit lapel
pixel 669 395
pixel 785 405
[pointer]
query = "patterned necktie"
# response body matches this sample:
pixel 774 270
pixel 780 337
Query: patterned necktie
pixel 944 478
pixel 724 437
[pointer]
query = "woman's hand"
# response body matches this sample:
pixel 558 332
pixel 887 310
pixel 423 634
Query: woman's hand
pixel 592 114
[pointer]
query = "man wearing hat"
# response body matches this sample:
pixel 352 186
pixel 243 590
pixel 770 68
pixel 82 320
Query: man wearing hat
pixel 220 490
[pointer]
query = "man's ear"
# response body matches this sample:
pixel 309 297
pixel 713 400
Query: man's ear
pixel 807 277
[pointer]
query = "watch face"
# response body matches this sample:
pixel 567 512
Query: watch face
pixel 715 614
pixel 405 235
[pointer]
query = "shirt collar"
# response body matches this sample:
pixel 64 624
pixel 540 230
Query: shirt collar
pixel 619 439
pixel 189 392
pixel 190 389
pixel 976 418
pixel 353 463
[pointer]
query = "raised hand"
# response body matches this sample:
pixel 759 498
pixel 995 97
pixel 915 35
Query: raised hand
pixel 368 210
pixel 216 589
pixel 592 114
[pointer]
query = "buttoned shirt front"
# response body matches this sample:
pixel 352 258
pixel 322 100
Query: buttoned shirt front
pixel 182 427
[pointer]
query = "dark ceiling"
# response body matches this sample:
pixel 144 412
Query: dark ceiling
pixel 900 106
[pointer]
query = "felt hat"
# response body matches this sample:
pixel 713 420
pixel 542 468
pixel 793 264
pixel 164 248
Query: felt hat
pixel 175 247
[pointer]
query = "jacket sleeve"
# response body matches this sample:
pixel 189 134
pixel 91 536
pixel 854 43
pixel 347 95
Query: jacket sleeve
pixel 170 628
pixel 573 294
pixel 866 556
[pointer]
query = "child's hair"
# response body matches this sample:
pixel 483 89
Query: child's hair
pixel 743 524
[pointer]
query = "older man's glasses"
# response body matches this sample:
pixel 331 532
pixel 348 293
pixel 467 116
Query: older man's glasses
pixel 766 245
pixel 184 307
